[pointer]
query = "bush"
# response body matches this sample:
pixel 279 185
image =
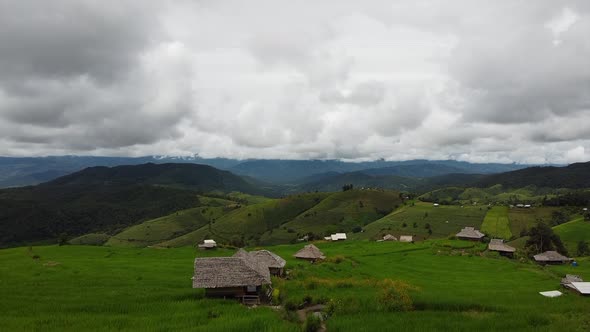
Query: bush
pixel 312 324
pixel 394 296
pixel 291 305
pixel 276 296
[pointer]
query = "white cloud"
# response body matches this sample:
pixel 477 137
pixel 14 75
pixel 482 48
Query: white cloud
pixel 468 80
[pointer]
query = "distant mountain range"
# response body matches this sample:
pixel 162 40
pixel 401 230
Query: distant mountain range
pixel 15 172
pixel 109 199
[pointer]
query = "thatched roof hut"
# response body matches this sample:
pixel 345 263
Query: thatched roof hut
pixel 499 245
pixel 310 252
pixel 269 258
pixel 228 272
pixel 551 257
pixel 389 237
pixel 470 233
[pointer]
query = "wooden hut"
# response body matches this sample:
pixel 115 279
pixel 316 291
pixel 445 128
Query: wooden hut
pixel 207 244
pixel 551 257
pixel 501 247
pixel 276 264
pixel 232 277
pixel 310 253
pixel 470 233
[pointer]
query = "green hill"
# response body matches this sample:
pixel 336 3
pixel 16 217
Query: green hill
pixel 494 194
pixel 165 228
pixel 573 232
pixel 443 221
pixel 572 176
pixel 247 224
pixel 346 211
pixel 46 212
pixel 92 239
pixel 201 178
pixel 523 219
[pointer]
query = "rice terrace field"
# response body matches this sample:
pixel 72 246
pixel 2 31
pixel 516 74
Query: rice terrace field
pixel 496 223
pixel 365 285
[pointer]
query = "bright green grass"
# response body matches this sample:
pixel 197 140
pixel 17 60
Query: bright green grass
pixel 573 232
pixel 523 219
pixel 496 223
pixel 101 288
pixel 339 212
pixel 161 229
pixel 106 289
pixel 444 220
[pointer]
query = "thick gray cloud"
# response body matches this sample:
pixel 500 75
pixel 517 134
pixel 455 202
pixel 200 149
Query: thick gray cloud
pixel 469 80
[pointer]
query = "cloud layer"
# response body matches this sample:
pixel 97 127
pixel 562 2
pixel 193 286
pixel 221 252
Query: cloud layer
pixel 479 81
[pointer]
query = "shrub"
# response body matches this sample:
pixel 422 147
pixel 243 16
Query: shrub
pixel 291 305
pixel 394 296
pixel 276 296
pixel 312 324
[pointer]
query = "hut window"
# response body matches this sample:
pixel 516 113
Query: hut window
pixel 251 288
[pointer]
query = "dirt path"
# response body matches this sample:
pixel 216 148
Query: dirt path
pixel 302 314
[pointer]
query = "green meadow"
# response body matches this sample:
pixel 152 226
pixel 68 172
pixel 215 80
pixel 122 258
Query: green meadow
pixel 417 218
pixel 496 223
pixel 573 232
pixel 441 284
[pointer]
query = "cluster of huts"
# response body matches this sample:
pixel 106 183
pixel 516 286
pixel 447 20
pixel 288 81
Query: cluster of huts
pixel 245 275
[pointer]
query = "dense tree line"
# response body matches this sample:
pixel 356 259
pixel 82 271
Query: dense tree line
pixel 48 212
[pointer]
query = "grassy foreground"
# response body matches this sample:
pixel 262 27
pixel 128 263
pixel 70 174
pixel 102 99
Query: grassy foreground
pixel 451 288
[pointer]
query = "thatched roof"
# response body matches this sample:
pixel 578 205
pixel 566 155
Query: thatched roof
pixel 271 259
pixel 499 245
pixel 470 233
pixel 389 237
pixel 219 272
pixel 310 252
pixel 551 256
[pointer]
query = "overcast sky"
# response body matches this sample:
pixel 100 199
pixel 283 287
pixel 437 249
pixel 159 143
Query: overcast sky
pixel 480 81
